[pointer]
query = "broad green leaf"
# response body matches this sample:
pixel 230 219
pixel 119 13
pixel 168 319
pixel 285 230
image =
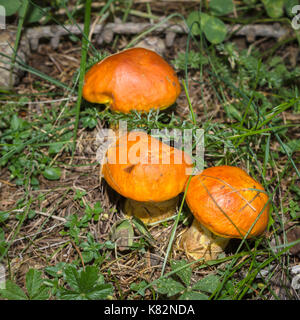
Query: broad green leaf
pixel 3 216
pixel 52 173
pixel 35 14
pixel 221 7
pixel 86 284
pixel 139 287
pixel 57 270
pixel 12 292
pixel 169 287
pixel 122 233
pixel 87 256
pixel 3 246
pixel 16 122
pixel 184 274
pixel 101 292
pixel 42 294
pixel 11 6
pixel 34 282
pixel 65 294
pixel 55 147
pixel 87 279
pixel 207 284
pixel 274 8
pixel 71 275
pixel 193 21
pixel 192 295
pixel 34 182
pixel 89 122
pixel 214 29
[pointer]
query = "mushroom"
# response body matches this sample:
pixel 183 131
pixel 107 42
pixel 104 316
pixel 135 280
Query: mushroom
pixel 134 79
pixel 226 203
pixel 148 172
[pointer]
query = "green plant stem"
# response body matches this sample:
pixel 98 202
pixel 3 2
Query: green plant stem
pixel 189 102
pixel 125 16
pixel 143 34
pixel 84 50
pixel 174 228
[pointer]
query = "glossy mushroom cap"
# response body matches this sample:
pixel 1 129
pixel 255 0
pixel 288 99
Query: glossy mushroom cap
pixel 144 174
pixel 134 79
pixel 224 201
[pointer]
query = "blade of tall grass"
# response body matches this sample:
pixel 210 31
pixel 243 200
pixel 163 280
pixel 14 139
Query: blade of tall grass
pixel 252 275
pixel 124 18
pixel 143 34
pixel 267 155
pixel 84 50
pixel 252 95
pixel 189 102
pixel 173 232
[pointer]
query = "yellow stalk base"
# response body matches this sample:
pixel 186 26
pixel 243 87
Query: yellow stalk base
pixel 150 212
pixel 198 242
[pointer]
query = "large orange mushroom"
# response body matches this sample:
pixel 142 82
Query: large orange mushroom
pixel 148 172
pixel 134 79
pixel 226 203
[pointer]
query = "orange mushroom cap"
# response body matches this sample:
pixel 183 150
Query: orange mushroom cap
pixel 223 199
pixel 134 79
pixel 148 177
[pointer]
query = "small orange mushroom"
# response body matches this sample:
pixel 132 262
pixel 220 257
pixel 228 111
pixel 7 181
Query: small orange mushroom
pixel 134 79
pixel 149 173
pixel 226 203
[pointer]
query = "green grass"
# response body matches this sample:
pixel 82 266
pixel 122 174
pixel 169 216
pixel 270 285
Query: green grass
pixel 42 150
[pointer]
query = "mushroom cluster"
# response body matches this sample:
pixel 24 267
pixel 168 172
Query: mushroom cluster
pixel 225 201
pixel 139 79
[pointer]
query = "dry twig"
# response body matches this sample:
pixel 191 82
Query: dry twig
pixel 55 32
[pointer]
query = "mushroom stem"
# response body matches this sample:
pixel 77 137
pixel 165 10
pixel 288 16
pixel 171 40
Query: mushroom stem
pixel 198 242
pixel 150 212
